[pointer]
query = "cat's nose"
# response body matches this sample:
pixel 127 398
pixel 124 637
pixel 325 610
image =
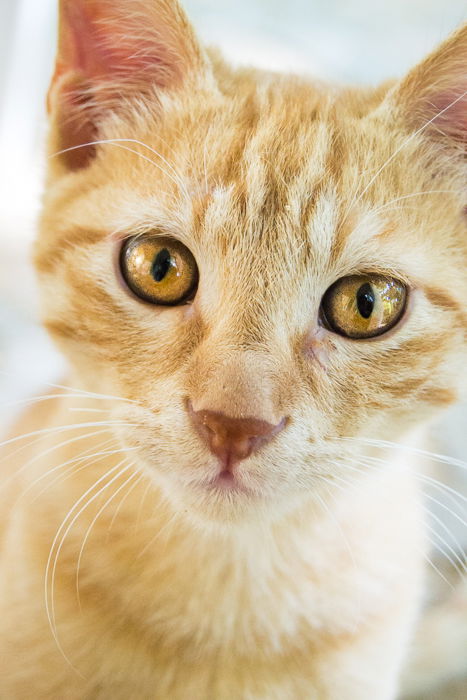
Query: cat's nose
pixel 233 439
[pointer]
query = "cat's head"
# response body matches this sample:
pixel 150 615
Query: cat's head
pixel 267 268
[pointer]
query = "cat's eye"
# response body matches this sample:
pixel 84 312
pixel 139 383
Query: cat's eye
pixel 159 270
pixel 363 306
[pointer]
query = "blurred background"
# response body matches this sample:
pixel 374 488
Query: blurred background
pixel 358 41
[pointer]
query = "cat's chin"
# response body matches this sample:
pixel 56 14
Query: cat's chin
pixel 228 503
pixel 226 492
pixel 206 494
pixel 221 501
pixel 228 483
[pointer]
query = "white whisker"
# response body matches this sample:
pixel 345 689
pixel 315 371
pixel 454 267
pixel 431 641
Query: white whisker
pixel 458 553
pixel 49 600
pixel 80 392
pixel 117 510
pixel 96 517
pixel 446 508
pixel 454 559
pixel 42 398
pixel 169 523
pixel 440 573
pixel 64 428
pixel 444 459
pixel 118 143
pixel 49 450
pixel 388 206
pixel 82 456
pixel 458 558
pixel 141 505
pixel 72 470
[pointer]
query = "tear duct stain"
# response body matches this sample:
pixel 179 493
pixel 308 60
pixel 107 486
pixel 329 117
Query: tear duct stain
pixel 316 345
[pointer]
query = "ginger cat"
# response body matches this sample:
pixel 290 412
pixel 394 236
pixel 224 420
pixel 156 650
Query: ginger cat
pixel 257 280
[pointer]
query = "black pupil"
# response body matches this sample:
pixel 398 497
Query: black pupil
pixel 365 300
pixel 161 265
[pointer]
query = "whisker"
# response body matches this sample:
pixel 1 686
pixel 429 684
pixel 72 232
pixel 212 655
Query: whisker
pixel 444 459
pixel 42 398
pixel 95 457
pixel 96 517
pixel 422 193
pixel 140 509
pixel 431 481
pixel 446 508
pixel 119 141
pixel 168 524
pixel 64 428
pixel 118 144
pixel 456 561
pixel 437 570
pixel 459 553
pixel 44 453
pixel 388 206
pixel 445 489
pixel 51 570
pixel 80 392
pixel 82 455
pixel 117 510
pixel 372 462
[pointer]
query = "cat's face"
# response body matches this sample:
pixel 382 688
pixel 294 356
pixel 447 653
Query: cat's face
pixel 278 190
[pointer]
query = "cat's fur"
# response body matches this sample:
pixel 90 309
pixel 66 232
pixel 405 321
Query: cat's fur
pixel 308 585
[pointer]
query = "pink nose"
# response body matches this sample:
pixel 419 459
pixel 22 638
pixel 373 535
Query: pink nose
pixel 233 439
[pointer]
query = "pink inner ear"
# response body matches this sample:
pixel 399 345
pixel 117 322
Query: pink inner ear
pixel 110 51
pixel 100 42
pixel 75 126
pixel 449 112
pixel 83 43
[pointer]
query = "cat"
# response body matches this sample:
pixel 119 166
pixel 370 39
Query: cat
pixel 259 282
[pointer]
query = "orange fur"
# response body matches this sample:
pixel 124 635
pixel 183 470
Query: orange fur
pixel 309 584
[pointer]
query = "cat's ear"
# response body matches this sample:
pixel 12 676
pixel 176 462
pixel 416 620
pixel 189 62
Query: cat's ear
pixel 108 52
pixel 433 96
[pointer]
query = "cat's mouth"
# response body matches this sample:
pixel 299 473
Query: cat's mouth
pixel 228 482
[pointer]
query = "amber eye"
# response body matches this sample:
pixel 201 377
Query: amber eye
pixel 159 270
pixel 363 306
